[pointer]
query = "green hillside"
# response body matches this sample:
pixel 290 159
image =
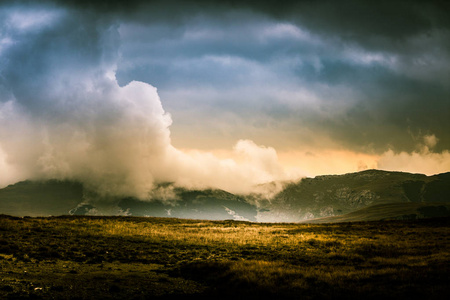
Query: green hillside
pixel 332 195
pixel 391 211
pixel 40 198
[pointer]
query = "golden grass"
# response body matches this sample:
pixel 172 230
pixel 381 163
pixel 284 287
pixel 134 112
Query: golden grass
pixel 287 260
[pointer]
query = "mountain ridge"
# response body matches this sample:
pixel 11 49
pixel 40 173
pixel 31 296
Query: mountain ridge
pixel 330 195
pixel 307 199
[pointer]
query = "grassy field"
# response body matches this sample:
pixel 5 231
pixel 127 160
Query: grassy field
pixel 142 258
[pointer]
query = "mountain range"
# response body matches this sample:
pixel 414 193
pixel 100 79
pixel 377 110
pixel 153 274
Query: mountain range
pixel 361 196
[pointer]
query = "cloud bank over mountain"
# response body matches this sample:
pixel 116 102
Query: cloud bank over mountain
pixel 63 114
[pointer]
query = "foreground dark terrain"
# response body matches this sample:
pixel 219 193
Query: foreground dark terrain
pixel 80 257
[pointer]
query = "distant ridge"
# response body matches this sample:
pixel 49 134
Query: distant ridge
pixel 332 195
pixel 366 195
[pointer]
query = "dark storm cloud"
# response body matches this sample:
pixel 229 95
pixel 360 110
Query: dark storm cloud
pixel 370 75
pixel 393 58
pixel 352 18
pixel 390 109
pixel 49 47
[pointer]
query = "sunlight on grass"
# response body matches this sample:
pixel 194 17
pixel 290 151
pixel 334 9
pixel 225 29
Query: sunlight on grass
pixel 273 259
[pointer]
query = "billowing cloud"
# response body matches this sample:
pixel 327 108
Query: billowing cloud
pixel 117 142
pixel 63 115
pixel 422 160
pixel 244 168
pixel 416 162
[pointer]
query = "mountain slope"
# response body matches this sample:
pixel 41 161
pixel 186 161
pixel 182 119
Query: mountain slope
pixel 53 197
pixel 333 195
pixel 390 211
pixel 194 204
pixel 40 198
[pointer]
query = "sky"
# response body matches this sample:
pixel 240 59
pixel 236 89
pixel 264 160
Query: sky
pixel 122 95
